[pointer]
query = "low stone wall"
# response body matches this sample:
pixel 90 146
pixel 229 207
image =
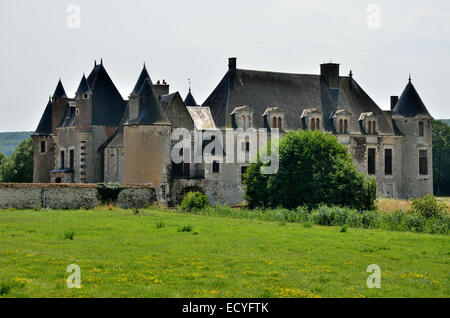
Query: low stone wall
pixel 69 196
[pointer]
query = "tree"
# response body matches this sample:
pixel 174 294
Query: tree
pixel 19 167
pixel 314 168
pixel 441 158
pixel 2 159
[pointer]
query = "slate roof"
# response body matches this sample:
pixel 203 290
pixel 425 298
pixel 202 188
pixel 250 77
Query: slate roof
pixel 410 104
pixel 142 77
pixel 292 94
pixel 190 100
pixel 59 91
pixel 83 88
pixel 44 127
pixel 150 109
pixel 176 111
pixel 107 103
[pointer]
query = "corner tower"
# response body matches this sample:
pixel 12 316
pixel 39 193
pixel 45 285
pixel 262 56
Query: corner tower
pixel 414 122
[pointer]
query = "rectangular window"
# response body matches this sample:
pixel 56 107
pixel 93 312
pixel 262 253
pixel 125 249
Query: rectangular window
pixel 71 158
pixel 215 167
pixel 420 128
pixel 371 161
pixel 42 146
pixel 423 162
pixel 388 161
pixel 243 171
pixel 163 192
pixel 63 155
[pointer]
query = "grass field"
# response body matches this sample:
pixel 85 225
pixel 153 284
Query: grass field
pixel 147 255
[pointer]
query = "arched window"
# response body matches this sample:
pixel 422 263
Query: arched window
pixel 345 126
pixel 249 121
pixel 317 123
pixel 369 131
pixel 274 122
pixel 313 124
pixel 340 125
pixel 279 123
pixel 243 122
pixel 374 127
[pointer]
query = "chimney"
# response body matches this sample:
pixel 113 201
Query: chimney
pixel 394 100
pixel 161 89
pixel 232 63
pixel 330 71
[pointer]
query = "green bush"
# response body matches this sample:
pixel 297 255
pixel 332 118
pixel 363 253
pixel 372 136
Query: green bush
pixel 108 192
pixel 314 169
pixel 194 202
pixel 68 235
pixel 428 206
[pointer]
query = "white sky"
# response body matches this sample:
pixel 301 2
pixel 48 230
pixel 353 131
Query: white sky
pixel 180 39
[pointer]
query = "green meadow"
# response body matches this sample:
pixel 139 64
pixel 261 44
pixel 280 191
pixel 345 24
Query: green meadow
pixel 164 253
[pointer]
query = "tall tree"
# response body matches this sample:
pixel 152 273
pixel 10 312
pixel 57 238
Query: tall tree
pixel 441 158
pixel 19 167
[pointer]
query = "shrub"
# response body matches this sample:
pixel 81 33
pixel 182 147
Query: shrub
pixel 108 192
pixel 68 235
pixel 428 206
pixel 185 228
pixel 415 222
pixel 159 225
pixel 325 169
pixel 194 202
pixel 5 287
pixel 344 229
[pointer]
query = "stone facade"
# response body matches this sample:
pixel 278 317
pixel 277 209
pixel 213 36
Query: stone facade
pixel 99 137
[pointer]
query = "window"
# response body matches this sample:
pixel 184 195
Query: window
pixel 42 146
pixel 274 122
pixel 420 128
pixel 243 122
pixel 345 126
pixel 163 192
pixel 243 171
pixel 85 96
pixel 388 161
pixel 279 123
pixel 313 124
pixel 374 127
pixel 369 130
pixel 249 121
pixel 371 161
pixel 340 125
pixel 71 158
pixel 62 159
pixel 317 123
pixel 423 162
pixel 215 167
pixel 77 111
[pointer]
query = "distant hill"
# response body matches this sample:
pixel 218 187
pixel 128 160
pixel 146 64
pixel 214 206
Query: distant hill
pixel 447 121
pixel 10 140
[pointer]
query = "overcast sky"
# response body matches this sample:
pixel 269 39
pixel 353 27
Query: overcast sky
pixel 180 39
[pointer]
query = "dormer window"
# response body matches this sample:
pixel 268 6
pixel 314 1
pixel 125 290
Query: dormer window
pixel 341 119
pixel 311 119
pixel 368 122
pixel 273 118
pixel 242 117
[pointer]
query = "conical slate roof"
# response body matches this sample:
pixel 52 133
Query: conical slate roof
pixel 45 124
pixel 190 100
pixel 144 76
pixel 59 91
pixel 150 110
pixel 410 104
pixel 107 103
pixel 83 88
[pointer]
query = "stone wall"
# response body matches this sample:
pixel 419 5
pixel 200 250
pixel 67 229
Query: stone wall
pixel 69 196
